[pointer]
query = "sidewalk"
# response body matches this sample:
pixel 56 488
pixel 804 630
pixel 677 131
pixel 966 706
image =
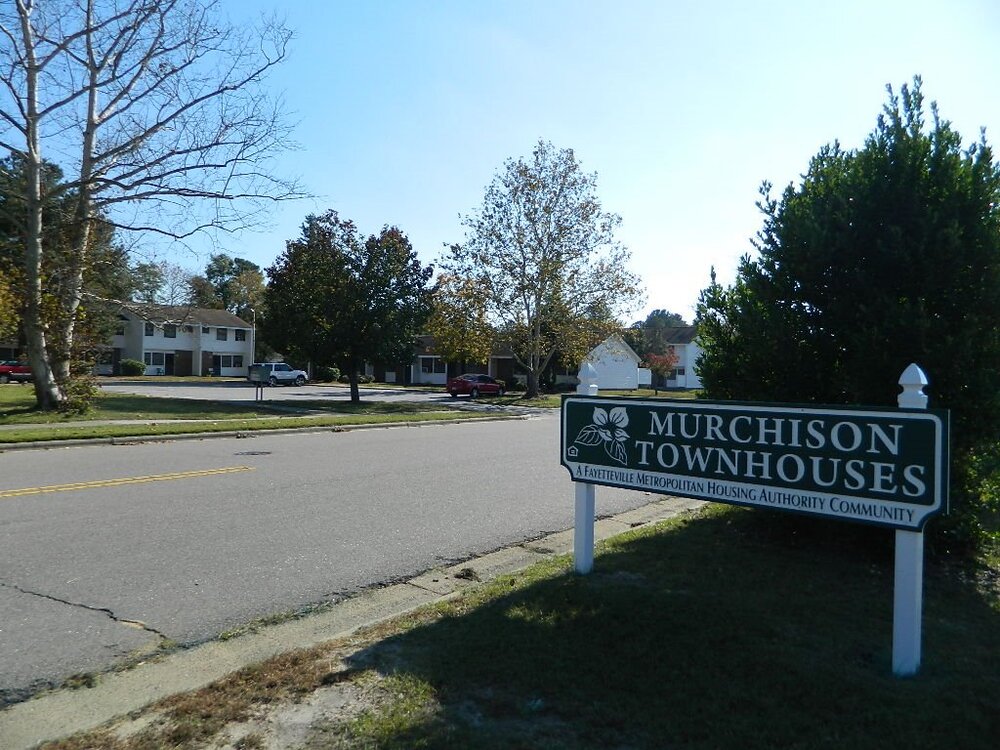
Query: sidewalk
pixel 63 712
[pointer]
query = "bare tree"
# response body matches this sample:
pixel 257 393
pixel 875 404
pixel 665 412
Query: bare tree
pixel 176 287
pixel 157 111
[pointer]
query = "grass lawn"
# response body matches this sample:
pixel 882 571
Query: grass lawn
pixel 736 629
pixel 554 400
pixel 17 408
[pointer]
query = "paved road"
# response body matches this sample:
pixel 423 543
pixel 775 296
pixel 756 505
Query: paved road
pixel 254 527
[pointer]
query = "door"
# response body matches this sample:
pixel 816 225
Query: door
pixel 216 365
pixel 168 363
pixel 183 362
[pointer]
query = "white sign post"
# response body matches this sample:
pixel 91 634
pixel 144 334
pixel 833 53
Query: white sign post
pixel 907 605
pixel 583 530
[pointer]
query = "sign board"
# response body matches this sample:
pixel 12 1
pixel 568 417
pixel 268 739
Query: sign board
pixel 888 468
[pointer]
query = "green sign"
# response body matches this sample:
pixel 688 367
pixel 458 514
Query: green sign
pixel 888 468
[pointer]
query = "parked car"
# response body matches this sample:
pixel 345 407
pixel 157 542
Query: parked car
pixel 475 385
pixel 13 370
pixel 274 373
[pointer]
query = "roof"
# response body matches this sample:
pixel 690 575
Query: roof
pixel 615 345
pixel 679 334
pixel 205 316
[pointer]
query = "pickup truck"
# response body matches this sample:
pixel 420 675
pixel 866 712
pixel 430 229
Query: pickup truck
pixel 273 373
pixel 14 370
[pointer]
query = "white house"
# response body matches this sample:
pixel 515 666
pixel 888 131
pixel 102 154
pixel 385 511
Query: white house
pixel 179 340
pixel 683 340
pixel 616 363
pixel 427 367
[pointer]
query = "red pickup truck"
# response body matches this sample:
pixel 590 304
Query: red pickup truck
pixel 14 370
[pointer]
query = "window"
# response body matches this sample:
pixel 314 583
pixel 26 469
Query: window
pixel 222 334
pixel 120 329
pixel 231 360
pixel 188 329
pixel 433 364
pixel 205 329
pixel 153 358
pixel 241 335
pixel 148 329
pixel 169 331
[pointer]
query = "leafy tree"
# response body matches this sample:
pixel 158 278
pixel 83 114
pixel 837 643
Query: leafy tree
pixel 9 318
pixel 662 365
pixel 543 255
pixel 105 275
pixel 161 115
pixel 238 283
pixel 650 337
pixel 663 319
pixel 882 256
pixel 202 293
pixel 458 321
pixel 335 297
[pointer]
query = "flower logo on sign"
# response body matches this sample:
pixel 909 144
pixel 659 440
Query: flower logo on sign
pixel 608 428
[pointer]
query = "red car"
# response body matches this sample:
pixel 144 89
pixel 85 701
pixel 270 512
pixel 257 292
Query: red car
pixel 14 370
pixel 474 385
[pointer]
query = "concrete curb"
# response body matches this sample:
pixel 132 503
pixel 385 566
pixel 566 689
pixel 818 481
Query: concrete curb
pixel 134 439
pixel 53 715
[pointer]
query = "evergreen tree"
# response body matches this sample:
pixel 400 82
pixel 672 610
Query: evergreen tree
pixel 882 256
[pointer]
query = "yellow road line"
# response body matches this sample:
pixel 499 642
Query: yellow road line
pixel 117 482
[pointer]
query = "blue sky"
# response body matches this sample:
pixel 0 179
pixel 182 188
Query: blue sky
pixel 406 110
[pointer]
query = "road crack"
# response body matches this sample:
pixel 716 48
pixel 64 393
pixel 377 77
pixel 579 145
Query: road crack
pixel 137 624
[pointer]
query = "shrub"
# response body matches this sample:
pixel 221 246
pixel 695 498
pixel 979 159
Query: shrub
pixel 132 367
pixel 326 374
pixel 80 392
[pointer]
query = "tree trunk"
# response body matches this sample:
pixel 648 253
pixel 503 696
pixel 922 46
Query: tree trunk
pixel 532 390
pixel 352 377
pixel 48 393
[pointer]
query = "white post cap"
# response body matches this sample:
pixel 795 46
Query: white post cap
pixel 588 380
pixel 912 381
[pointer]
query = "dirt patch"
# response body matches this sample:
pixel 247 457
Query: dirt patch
pixel 294 725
